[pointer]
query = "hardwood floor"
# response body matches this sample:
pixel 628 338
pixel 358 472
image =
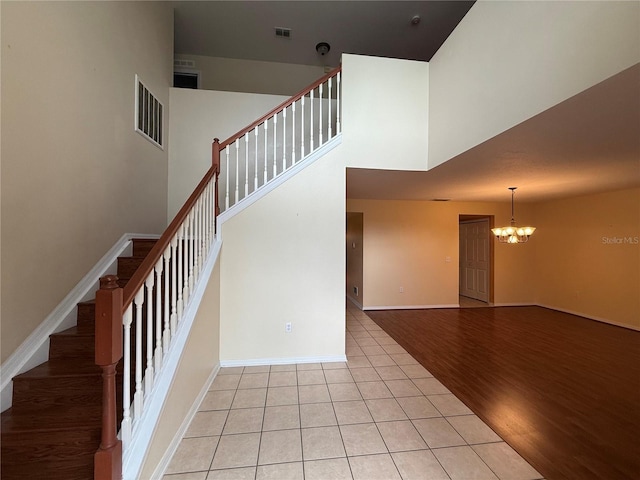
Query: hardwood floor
pixel 562 390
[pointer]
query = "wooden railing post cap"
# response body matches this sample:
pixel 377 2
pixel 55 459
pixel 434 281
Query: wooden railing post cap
pixel 216 140
pixel 109 282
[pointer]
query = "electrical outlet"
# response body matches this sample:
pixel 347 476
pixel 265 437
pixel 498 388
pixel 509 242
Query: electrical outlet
pixel 287 327
pixel 355 290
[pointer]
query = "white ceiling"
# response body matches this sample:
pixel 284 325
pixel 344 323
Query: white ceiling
pixel 589 143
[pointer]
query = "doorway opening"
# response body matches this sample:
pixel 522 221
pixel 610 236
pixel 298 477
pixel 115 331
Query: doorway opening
pixel 475 279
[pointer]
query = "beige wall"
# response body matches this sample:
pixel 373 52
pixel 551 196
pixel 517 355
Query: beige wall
pixel 406 244
pixel 75 175
pixel 197 117
pixel 283 261
pixel 237 75
pixel 588 256
pixel 385 112
pixel 201 356
pixel 508 61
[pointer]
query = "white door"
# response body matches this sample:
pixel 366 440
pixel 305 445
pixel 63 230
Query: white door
pixel 474 259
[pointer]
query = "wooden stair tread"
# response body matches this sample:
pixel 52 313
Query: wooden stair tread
pixel 58 418
pixel 61 368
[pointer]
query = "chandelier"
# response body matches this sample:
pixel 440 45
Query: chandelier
pixel 512 233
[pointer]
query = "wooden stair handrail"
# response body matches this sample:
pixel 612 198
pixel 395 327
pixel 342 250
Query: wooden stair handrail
pixel 279 108
pixel 138 278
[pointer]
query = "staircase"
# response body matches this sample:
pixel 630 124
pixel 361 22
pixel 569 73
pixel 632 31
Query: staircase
pixel 53 428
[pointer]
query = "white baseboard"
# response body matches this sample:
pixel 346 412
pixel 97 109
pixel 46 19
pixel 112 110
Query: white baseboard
pixel 355 302
pixel 282 361
pixel 35 349
pixel 175 441
pixel 411 307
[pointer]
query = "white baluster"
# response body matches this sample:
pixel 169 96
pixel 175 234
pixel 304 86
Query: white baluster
pixel 311 122
pixel 149 372
pixel 329 135
pixel 138 396
pixel 180 303
pixel 320 116
pixel 266 156
pixel 226 187
pixel 302 128
pixel 255 178
pixel 246 164
pixel 275 143
pixel 235 200
pixel 125 427
pixel 293 134
pixel 284 139
pixel 188 280
pixel 166 335
pixel 338 128
pixel 157 354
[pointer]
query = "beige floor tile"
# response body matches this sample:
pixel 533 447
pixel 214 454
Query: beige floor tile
pixel 402 388
pixel 334 365
pixel 207 424
pixel 244 420
pixel 236 451
pixel 393 349
pixel 186 476
pixel 343 392
pixel 419 465
pixel 193 455
pixel 352 412
pixel 360 333
pixel 381 360
pixel 365 374
pixel 342 375
pixel 231 371
pixel 283 368
pixel 473 430
pixel 362 439
pixel 253 380
pixel 418 407
pixel 330 469
pixel 370 390
pixel 372 349
pixel 377 334
pixel 217 400
pixel 430 386
pixel 282 396
pixel 505 462
pixel 308 366
pixel 281 471
pixel 401 436
pixel 317 415
pixel 449 405
pixel 283 379
pixel 385 410
pixel 281 418
pixel 246 473
pixel 438 433
pixel 281 446
pixel 225 382
pixel 374 467
pixel 415 371
pixel 253 397
pixel 257 369
pixel 313 394
pixel 322 442
pixel 392 372
pixel 365 342
pixel 353 351
pixel 384 339
pixel 358 362
pixel 462 463
pixel 404 359
pixel 311 377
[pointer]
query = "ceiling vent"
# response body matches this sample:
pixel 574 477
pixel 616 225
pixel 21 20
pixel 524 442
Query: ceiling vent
pixel 283 32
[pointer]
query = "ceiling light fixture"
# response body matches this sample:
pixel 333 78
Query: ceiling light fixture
pixel 323 48
pixel 512 233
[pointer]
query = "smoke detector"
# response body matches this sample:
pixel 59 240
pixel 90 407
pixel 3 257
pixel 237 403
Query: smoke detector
pixel 323 48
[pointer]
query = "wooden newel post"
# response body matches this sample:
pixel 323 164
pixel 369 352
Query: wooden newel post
pixel 215 158
pixel 108 459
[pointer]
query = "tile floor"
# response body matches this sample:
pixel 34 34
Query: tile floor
pixel 380 416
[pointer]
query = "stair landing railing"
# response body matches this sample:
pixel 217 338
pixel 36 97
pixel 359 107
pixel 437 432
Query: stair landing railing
pixel 137 323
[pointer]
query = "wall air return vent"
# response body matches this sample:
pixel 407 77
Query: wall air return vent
pixel 283 32
pixel 181 63
pixel 149 120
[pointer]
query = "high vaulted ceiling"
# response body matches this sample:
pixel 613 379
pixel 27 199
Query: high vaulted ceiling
pixel 589 143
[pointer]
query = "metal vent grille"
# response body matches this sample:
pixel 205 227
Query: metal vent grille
pixel 177 62
pixel 283 32
pixel 149 119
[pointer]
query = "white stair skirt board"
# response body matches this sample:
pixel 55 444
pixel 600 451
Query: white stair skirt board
pixel 282 361
pixel 163 464
pixel 411 307
pixel 277 181
pixel 35 349
pixel 145 425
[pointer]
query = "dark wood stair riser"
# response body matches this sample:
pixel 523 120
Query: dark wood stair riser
pixel 142 246
pixel 86 389
pixel 78 467
pixel 48 445
pixel 87 317
pixel 72 345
